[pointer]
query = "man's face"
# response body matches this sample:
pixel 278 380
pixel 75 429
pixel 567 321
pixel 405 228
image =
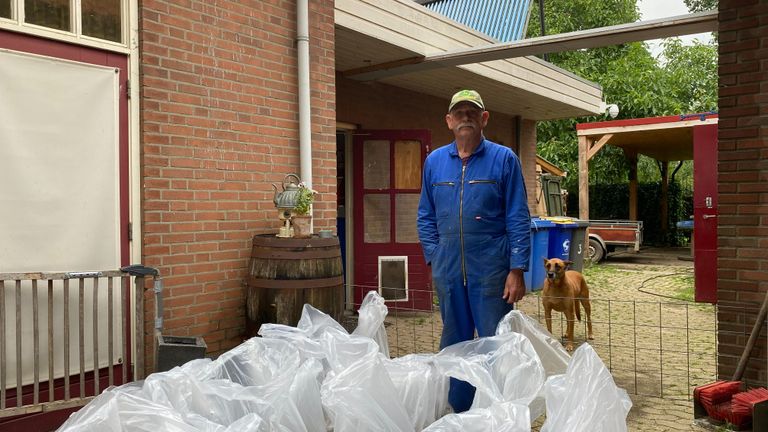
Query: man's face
pixel 466 120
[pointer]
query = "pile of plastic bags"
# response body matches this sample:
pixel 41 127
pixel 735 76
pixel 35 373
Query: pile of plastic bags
pixel 318 377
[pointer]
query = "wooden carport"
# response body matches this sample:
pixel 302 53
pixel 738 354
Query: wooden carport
pixel 665 139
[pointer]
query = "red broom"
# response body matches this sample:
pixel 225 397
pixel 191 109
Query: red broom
pixel 714 395
pixel 742 405
pixel 717 398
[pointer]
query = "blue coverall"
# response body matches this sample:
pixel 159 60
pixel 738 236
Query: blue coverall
pixel 474 227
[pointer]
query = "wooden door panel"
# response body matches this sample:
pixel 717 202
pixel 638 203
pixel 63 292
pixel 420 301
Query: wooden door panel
pixel 705 211
pixel 387 171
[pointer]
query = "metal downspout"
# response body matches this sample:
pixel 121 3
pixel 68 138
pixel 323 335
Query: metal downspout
pixel 305 124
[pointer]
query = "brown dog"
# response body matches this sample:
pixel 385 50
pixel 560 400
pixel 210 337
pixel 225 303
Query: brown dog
pixel 563 291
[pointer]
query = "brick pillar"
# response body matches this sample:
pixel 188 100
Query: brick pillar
pixel 527 155
pixel 742 181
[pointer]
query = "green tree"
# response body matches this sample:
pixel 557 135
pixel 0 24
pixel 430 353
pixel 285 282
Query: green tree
pixel 630 76
pixel 701 5
pixel 689 76
pixel 690 73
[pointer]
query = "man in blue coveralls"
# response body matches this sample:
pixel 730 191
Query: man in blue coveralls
pixel 474 228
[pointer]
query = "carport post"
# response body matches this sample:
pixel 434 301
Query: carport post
pixel 583 178
pixel 632 159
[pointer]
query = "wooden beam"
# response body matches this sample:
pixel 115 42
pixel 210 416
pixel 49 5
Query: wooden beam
pixel 645 127
pixel 583 178
pixel 632 158
pixel 664 197
pixel 600 143
pixel 593 38
pixel 549 167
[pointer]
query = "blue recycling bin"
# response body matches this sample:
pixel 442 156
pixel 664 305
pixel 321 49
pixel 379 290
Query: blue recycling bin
pixel 560 236
pixel 685 225
pixel 534 277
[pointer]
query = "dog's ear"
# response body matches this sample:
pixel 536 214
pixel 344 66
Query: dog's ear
pixel 546 261
pixel 568 263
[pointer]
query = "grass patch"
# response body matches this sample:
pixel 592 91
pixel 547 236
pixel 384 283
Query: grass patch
pixel 685 289
pixel 600 276
pixel 597 270
pixel 685 294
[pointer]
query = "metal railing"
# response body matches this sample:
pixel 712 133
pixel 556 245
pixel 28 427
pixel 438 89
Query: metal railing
pixel 65 337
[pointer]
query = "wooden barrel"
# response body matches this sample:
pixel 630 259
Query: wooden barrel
pixel 286 273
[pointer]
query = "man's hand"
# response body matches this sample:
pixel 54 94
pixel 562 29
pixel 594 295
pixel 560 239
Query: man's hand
pixel 514 287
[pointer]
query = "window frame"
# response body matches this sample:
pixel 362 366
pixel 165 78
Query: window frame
pixel 16 23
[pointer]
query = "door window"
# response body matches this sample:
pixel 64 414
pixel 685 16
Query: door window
pixel 376 218
pixel 376 164
pixel 406 206
pixel 407 164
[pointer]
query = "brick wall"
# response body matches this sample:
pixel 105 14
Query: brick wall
pixel 742 180
pixel 219 124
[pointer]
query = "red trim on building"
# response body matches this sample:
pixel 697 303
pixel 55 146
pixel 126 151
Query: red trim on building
pixel 644 121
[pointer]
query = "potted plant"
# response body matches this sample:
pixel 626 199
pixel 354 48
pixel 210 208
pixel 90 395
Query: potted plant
pixel 301 219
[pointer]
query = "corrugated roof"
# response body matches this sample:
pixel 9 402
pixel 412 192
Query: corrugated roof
pixel 504 20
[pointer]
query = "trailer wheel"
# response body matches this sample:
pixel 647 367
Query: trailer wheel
pixel 596 252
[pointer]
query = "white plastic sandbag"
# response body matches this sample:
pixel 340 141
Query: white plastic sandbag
pixel 216 404
pixel 314 321
pixel 257 361
pixel 554 358
pixel 126 409
pixel 585 398
pixel 275 368
pixel 356 391
pixel 499 417
pixel 307 335
pixel 115 411
pixel 305 393
pixel 503 368
pixel 358 394
pixel 421 388
pixel 260 376
pixel 370 322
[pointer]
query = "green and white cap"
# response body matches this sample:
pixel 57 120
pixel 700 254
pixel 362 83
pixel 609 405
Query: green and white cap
pixel 467 96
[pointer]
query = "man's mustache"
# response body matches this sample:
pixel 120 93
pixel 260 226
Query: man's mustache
pixel 461 125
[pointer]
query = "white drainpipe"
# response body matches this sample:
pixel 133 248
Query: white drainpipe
pixel 305 124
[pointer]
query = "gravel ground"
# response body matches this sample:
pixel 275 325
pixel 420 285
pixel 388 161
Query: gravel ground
pixel 657 344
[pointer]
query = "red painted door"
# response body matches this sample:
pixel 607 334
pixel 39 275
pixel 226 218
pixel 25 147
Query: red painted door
pixel 388 257
pixel 59 50
pixel 705 212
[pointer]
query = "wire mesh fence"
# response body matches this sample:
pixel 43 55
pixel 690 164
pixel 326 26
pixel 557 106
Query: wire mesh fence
pixel 661 349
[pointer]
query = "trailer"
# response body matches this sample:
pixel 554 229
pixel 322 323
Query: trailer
pixel 605 236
